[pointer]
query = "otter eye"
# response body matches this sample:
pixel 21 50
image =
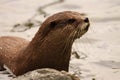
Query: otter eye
pixel 71 20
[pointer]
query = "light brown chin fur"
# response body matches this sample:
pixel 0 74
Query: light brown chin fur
pixel 50 48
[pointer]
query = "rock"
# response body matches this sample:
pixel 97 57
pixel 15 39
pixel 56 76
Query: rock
pixel 47 74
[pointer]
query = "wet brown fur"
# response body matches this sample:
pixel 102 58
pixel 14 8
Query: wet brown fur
pixel 50 48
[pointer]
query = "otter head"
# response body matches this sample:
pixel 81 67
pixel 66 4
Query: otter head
pixel 65 25
pixel 51 46
pixel 56 36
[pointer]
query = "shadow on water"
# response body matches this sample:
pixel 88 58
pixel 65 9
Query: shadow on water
pixel 109 64
pixel 87 40
pixel 109 19
pixel 70 6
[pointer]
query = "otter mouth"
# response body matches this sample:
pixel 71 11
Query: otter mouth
pixel 82 29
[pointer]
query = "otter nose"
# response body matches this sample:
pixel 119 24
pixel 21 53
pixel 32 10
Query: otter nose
pixel 86 20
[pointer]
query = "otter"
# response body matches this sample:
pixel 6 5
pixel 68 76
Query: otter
pixel 50 48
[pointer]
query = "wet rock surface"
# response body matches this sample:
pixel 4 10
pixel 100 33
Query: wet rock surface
pixel 47 74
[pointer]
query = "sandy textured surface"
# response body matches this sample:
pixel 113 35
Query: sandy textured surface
pixel 101 45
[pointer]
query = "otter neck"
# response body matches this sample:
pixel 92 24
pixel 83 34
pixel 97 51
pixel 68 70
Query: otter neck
pixel 54 45
pixel 44 47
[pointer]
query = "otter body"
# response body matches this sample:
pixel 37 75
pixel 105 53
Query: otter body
pixel 50 48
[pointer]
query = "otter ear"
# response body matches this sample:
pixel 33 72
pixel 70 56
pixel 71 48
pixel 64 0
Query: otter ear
pixel 53 24
pixel 49 26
